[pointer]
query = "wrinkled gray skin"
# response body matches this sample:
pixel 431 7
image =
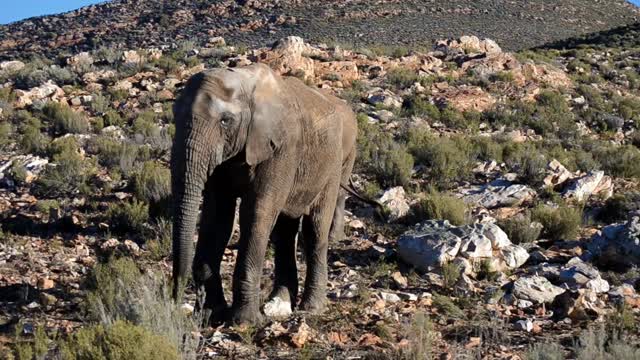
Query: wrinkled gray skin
pixel 284 149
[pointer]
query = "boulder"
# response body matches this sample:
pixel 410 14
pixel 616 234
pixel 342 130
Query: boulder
pixel 578 274
pixel 468 45
pixel 32 166
pixel 286 57
pixel 80 59
pixel 590 184
pixel 434 243
pixel 384 98
pixel 557 174
pixel 618 244
pixel 131 57
pixel 344 71
pixel 499 193
pixel 395 201
pixel 465 98
pixel 46 91
pixel 536 289
pixel 11 66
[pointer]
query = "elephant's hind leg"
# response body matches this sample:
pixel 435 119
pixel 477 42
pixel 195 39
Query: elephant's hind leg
pixel 216 227
pixel 285 287
pixel 315 228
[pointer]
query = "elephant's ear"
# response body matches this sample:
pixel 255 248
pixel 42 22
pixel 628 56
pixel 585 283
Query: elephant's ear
pixel 266 131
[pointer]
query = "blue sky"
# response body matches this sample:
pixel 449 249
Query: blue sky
pixel 14 10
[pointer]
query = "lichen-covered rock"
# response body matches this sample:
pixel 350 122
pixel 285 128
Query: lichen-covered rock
pixel 536 289
pixel 499 193
pixel 578 274
pixel 434 243
pixel 395 200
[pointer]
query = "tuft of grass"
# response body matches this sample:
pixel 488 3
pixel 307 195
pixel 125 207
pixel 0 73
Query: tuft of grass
pixel 422 337
pixel 160 246
pixel 561 223
pixel 119 341
pixel 439 206
pixel 152 182
pixel 545 351
pixel 402 77
pixel 69 175
pixel 520 229
pixel 64 119
pixel 32 139
pixel 447 306
pixel 128 217
pixel 451 273
pixel 448 160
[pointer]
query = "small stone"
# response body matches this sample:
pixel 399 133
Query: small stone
pixel 131 247
pixel 390 297
pixel 356 224
pixel 187 309
pixel 399 280
pixel 47 299
pixel 277 307
pixel 45 284
pixel 524 325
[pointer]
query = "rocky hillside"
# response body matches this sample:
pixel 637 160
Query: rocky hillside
pixel 145 23
pixel 510 180
pixel 519 169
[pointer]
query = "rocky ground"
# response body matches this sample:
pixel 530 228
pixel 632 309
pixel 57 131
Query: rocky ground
pixel 509 181
pixel 142 23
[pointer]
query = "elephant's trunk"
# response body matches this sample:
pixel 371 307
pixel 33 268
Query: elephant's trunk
pixel 189 170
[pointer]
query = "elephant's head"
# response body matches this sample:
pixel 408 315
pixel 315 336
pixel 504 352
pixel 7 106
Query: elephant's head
pixel 220 114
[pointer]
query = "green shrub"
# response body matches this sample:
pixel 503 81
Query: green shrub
pixel 99 104
pixel 115 154
pixel 415 105
pixel 438 206
pixel 128 217
pixel 402 77
pixel 381 156
pixel 451 273
pixel 453 118
pixel 519 229
pixel 448 160
pixel 545 351
pixel 160 246
pixel 619 161
pixel 118 341
pixel 64 119
pixel 447 306
pixel 105 283
pixel 44 206
pixel 561 223
pixel 6 132
pixel 152 182
pixel 617 207
pixel 69 175
pixel 113 118
pixel 32 140
pixel 118 291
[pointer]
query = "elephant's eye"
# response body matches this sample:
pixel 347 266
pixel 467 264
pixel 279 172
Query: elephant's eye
pixel 226 119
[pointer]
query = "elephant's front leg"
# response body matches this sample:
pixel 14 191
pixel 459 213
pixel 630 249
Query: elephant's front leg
pixel 257 218
pixel 315 228
pixel 216 227
pixel 285 286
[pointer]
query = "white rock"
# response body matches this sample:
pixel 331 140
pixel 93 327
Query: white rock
pixel 434 243
pixel 583 187
pixel 187 308
pixel 578 274
pixel 499 193
pixel 396 201
pixel 536 289
pixel 524 325
pixel 390 297
pixel 11 66
pixel 277 307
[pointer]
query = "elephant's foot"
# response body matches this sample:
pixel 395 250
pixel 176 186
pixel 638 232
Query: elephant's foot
pixel 248 314
pixel 314 304
pixel 279 304
pixel 215 315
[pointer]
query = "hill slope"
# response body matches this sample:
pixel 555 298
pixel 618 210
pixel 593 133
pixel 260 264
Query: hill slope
pixel 143 23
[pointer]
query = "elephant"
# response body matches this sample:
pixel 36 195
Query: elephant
pixel 287 151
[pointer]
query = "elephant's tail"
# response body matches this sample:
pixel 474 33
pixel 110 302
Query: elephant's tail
pixel 350 188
